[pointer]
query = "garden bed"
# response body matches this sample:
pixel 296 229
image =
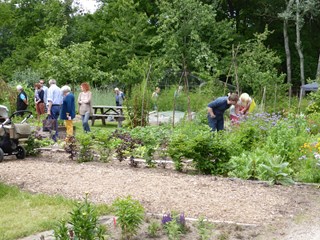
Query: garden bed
pixel 160 191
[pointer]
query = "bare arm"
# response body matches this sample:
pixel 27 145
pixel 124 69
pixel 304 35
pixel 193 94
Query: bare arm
pixel 210 112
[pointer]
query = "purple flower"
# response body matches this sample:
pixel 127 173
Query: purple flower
pixel 166 218
pixel 181 220
pixel 304 157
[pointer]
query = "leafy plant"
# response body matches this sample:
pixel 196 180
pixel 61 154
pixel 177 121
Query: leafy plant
pixel 208 151
pixel 130 214
pixel 32 145
pixel 104 144
pixel 71 147
pixel 276 171
pixel 153 229
pixel 247 165
pixel 126 145
pixel 204 229
pixel 173 230
pixel 174 224
pixel 84 224
pixel 86 144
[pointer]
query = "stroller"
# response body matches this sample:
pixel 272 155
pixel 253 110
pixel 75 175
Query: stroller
pixel 10 133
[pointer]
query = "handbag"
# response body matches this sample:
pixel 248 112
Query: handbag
pixel 48 124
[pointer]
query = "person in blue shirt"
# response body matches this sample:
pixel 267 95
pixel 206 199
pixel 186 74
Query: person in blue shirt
pixel 217 108
pixel 54 104
pixel 119 97
pixel 68 109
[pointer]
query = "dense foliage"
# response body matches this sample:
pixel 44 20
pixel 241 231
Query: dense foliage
pixel 119 42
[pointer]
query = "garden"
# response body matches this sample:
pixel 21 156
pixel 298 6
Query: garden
pixel 172 179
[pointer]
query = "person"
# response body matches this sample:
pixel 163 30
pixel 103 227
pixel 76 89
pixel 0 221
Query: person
pixel 22 100
pixel 217 108
pixel 246 104
pixel 68 109
pixel 54 104
pixel 155 96
pixel 85 105
pixel 38 100
pixel 119 97
pixel 45 95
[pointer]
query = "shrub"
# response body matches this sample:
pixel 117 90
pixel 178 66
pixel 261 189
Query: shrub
pixel 308 165
pixel 130 214
pixel 209 151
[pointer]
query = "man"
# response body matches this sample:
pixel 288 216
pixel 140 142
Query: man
pixel 217 108
pixel 119 97
pixel 22 100
pixel 54 99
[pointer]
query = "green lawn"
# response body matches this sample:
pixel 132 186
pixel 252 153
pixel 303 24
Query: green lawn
pixel 23 214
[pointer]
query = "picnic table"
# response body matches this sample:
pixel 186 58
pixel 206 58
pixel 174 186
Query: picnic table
pixel 104 112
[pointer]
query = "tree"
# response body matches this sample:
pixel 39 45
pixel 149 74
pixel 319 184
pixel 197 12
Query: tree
pixel 286 16
pixel 72 64
pixel 257 66
pixel 124 40
pixel 191 38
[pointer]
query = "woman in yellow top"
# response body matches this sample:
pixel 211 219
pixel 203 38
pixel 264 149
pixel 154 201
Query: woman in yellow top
pixel 246 104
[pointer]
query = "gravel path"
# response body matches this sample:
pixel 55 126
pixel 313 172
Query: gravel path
pixel 162 190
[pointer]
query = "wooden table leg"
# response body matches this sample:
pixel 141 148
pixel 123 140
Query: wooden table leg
pixel 92 120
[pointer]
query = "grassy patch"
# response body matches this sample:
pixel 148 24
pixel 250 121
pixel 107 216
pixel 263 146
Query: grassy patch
pixel 23 214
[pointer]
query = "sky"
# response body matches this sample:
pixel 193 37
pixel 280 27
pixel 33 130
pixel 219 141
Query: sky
pixel 89 5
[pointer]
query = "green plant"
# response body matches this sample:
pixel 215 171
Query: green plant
pixel 71 147
pixel 276 171
pixel 208 151
pixel 86 144
pixel 32 145
pixel 84 224
pixel 104 144
pixel 130 214
pixel 61 230
pixel 173 230
pixel 154 228
pixel 247 165
pixel 204 229
pixel 126 144
pixel 139 104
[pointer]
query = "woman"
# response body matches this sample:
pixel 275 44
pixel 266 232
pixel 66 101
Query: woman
pixel 85 105
pixel 246 104
pixel 39 100
pixel 68 110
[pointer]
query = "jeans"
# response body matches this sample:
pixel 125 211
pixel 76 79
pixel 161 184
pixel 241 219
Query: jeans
pixel 216 123
pixel 55 112
pixel 85 119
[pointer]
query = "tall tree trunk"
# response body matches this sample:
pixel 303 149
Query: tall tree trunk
pixel 298 42
pixel 318 68
pixel 288 56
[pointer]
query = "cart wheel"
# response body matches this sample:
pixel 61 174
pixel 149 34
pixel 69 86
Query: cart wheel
pixel 21 152
pixel 1 155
